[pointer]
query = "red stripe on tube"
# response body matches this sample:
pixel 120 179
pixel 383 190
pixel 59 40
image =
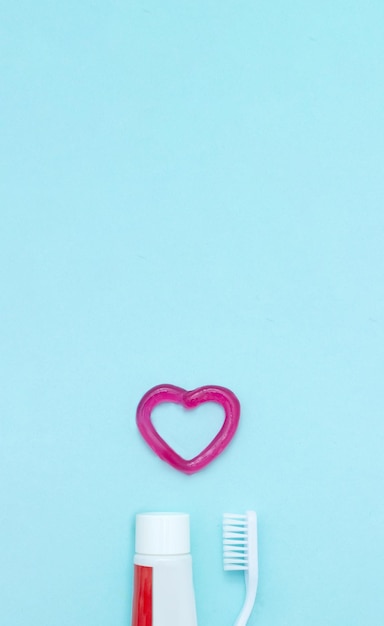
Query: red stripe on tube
pixel 142 596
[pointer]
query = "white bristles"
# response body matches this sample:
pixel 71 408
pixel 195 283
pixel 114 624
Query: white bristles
pixel 235 542
pixel 240 553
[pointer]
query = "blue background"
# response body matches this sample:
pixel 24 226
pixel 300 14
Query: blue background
pixel 192 192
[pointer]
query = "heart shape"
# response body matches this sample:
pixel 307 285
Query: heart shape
pixel 189 400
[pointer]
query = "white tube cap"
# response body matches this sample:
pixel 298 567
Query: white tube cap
pixel 162 533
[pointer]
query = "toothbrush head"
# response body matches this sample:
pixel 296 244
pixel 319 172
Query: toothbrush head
pixel 239 540
pixel 240 553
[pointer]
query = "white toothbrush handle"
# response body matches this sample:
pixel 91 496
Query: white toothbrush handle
pixel 252 573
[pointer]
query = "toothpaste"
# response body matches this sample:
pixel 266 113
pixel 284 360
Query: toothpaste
pixel 163 593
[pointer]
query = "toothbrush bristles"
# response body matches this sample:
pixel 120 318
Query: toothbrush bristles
pixel 235 544
pixel 240 553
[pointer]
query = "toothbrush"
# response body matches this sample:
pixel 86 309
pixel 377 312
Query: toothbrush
pixel 240 553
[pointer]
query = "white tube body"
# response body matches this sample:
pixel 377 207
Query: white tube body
pixel 173 597
pixel 163 592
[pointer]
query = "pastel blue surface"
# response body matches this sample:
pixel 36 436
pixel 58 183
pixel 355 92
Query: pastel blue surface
pixel 192 193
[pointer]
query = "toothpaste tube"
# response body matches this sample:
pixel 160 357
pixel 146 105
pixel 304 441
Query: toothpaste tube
pixel 163 593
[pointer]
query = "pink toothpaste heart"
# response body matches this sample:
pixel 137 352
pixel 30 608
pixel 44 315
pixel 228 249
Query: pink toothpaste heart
pixel 189 400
